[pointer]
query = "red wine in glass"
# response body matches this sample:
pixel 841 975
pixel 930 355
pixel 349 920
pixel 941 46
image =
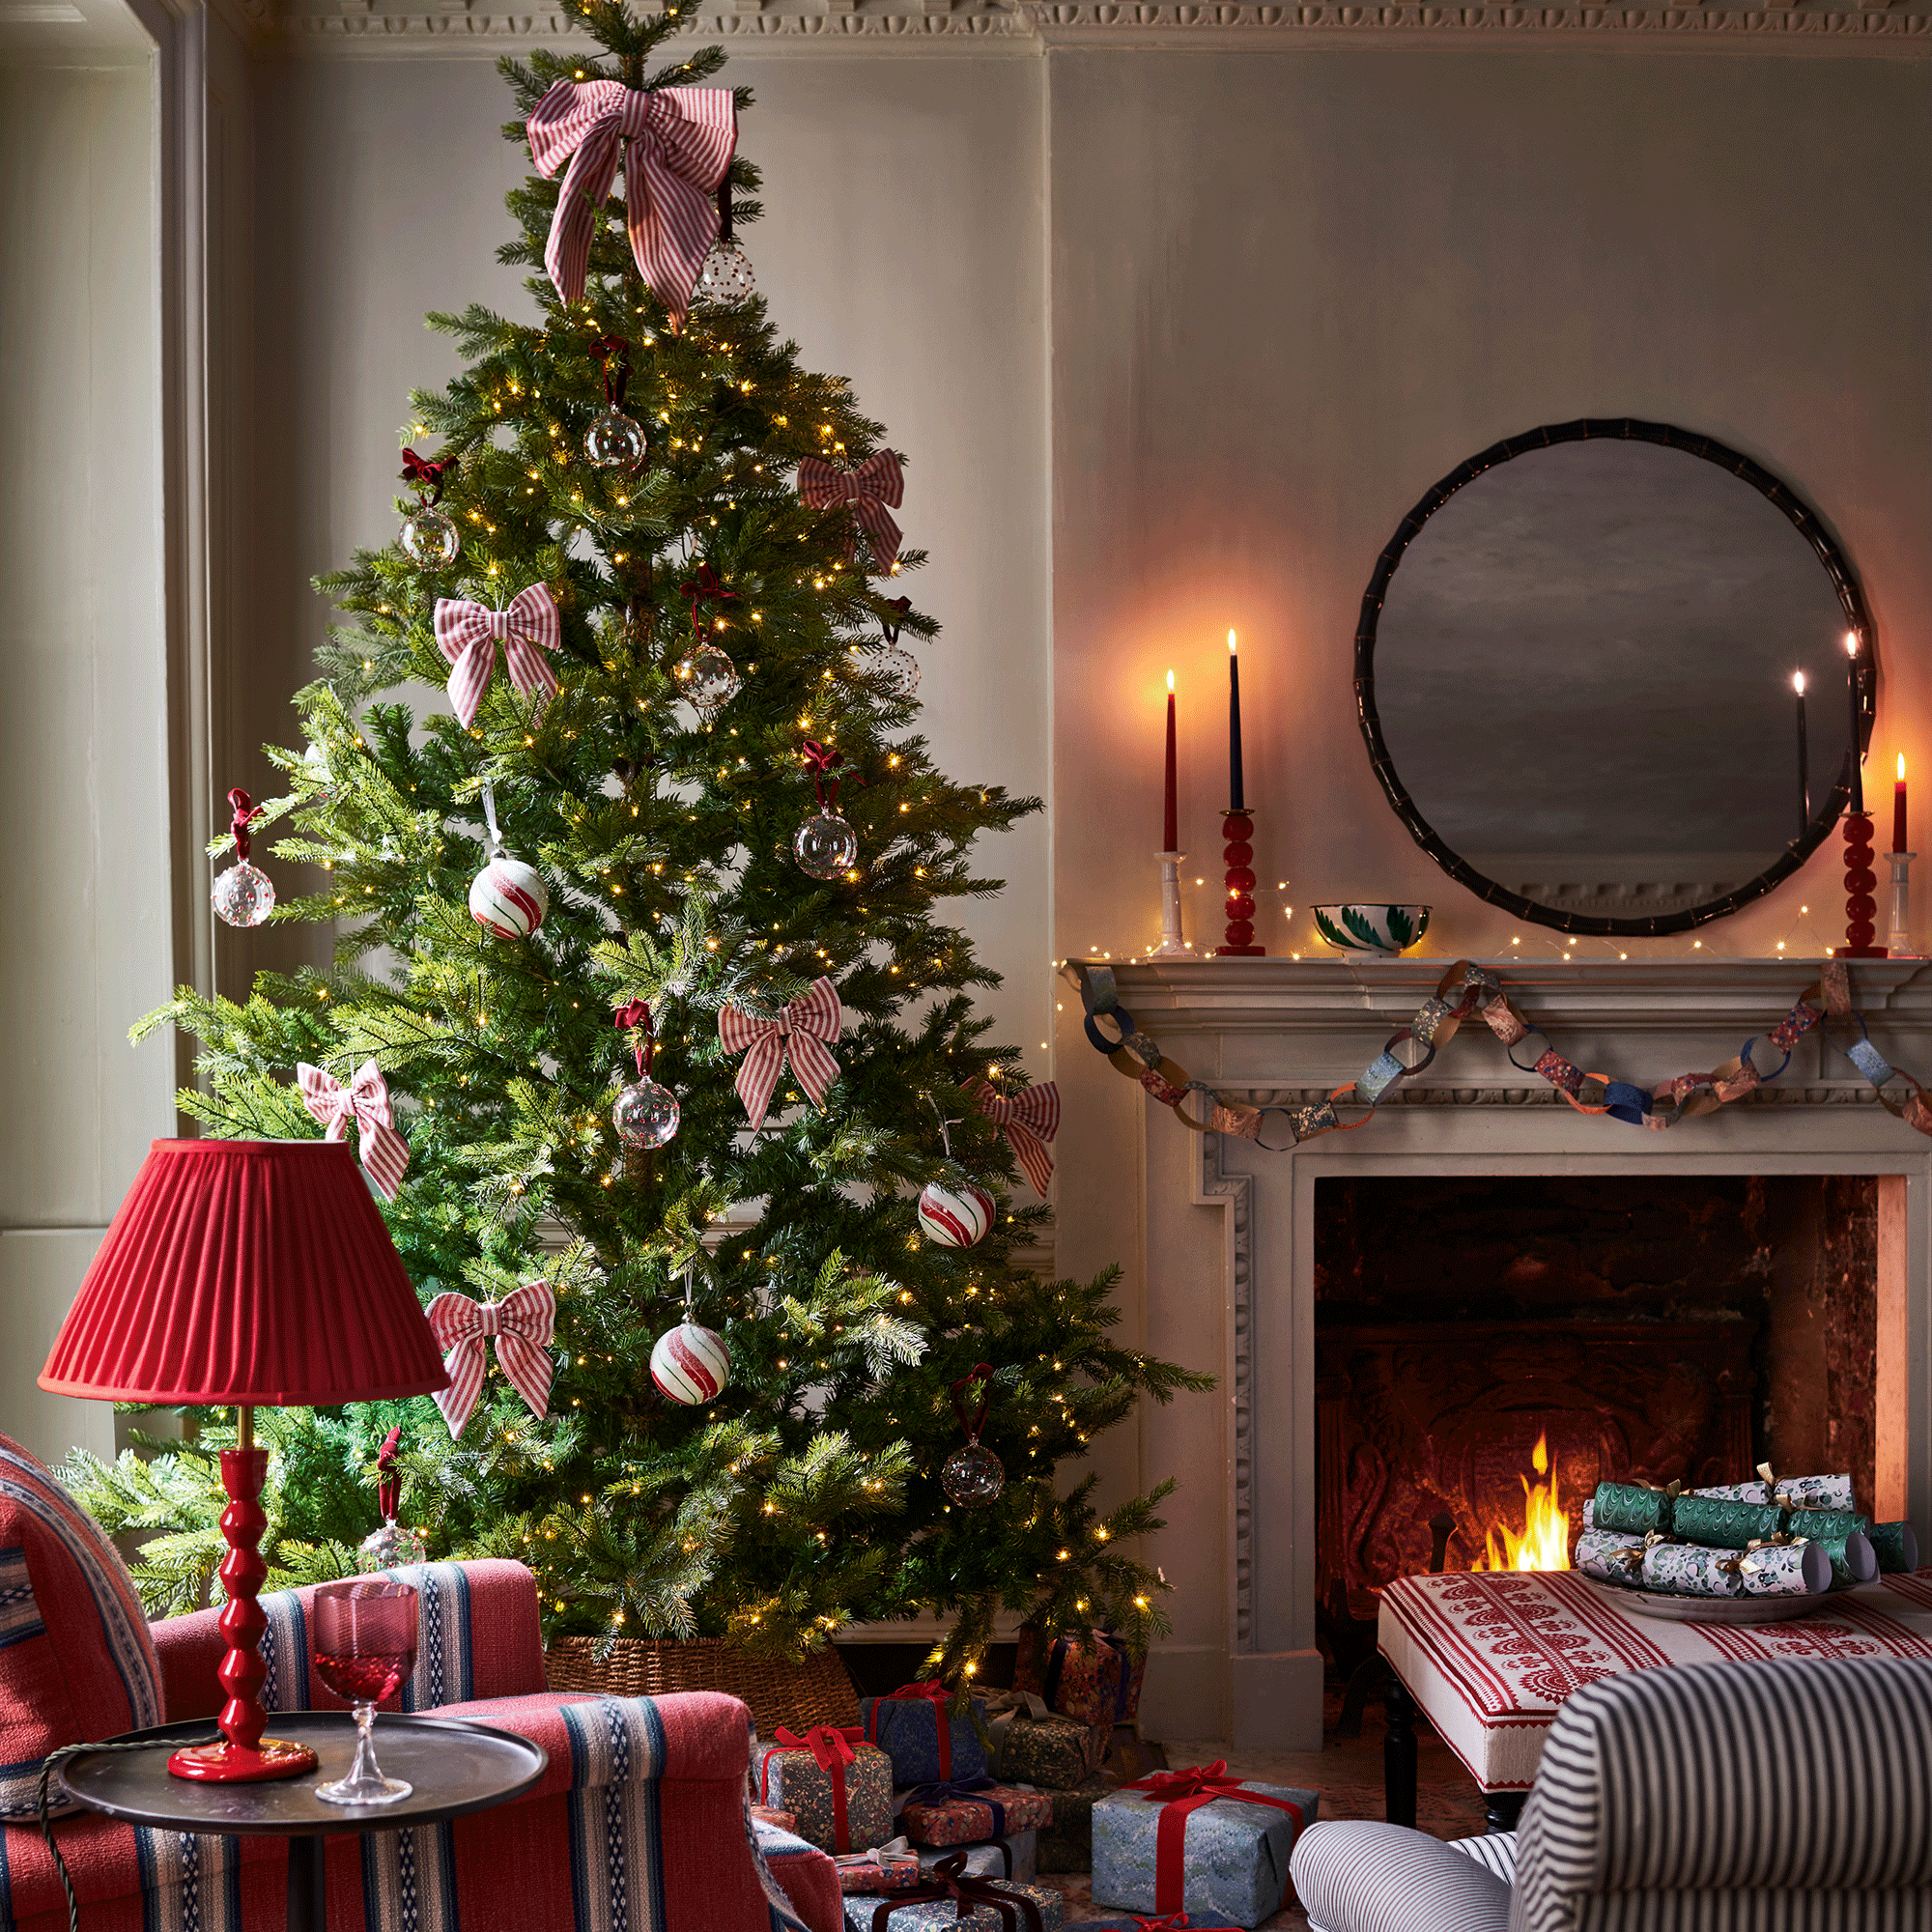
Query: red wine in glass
pixel 365 1647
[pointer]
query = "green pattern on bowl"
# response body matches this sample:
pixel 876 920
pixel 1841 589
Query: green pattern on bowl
pixel 1372 928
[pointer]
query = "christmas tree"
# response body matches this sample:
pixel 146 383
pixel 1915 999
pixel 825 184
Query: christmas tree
pixel 693 750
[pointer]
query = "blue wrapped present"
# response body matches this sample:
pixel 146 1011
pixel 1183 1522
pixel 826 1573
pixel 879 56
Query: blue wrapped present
pixel 927 1742
pixel 1198 1841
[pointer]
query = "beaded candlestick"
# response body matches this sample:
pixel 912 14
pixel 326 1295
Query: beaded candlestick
pixel 1859 880
pixel 1238 828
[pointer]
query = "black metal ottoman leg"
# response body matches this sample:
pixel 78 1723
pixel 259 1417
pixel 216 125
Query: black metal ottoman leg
pixel 1399 1754
pixel 308 1883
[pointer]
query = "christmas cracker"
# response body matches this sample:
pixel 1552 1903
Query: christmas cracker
pixel 1785 1570
pixel 1689 1570
pixel 1724 1525
pixel 1611 1557
pixel 1631 1509
pixel 1894 1545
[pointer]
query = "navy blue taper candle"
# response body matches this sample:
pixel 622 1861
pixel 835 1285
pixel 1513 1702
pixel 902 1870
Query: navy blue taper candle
pixel 1235 799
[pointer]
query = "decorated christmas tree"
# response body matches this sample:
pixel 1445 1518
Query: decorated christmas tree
pixel 644 1012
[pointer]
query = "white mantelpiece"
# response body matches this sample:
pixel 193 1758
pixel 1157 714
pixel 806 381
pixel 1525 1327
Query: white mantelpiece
pixel 1289 1033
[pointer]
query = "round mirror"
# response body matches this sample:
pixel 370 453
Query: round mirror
pixel 1576 674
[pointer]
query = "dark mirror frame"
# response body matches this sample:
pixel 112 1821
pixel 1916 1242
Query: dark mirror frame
pixel 1802 519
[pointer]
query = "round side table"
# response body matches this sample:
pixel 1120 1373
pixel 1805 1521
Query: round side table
pixel 455 1766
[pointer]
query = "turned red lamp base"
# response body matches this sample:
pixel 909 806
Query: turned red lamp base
pixel 244 1756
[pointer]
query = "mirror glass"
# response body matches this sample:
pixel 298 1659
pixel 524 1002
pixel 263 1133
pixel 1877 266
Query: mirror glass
pixel 1577 676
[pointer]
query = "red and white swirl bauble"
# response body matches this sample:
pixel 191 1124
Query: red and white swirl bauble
pixel 691 1364
pixel 508 899
pixel 955 1217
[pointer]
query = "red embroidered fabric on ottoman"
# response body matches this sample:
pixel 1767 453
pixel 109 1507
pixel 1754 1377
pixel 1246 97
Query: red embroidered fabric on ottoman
pixel 76 1662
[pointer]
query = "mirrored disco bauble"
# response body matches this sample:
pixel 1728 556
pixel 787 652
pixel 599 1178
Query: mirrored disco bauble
pixel 973 1477
pixel 429 539
pixel 508 899
pixel 691 1364
pixel 825 845
pixel 613 441
pixel 955 1217
pixel 897 670
pixel 707 677
pixel 646 1115
pixel 726 276
pixel 243 896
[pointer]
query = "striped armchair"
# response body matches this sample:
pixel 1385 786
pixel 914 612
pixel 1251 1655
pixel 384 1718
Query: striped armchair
pixel 640 1821
pixel 1772 1797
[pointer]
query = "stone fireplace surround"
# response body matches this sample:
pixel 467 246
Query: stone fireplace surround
pixel 1228 1227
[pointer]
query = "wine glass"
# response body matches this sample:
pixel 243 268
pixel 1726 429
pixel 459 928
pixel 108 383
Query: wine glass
pixel 365 1645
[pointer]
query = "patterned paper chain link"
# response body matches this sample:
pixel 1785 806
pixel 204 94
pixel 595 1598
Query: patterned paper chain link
pixel 1467 989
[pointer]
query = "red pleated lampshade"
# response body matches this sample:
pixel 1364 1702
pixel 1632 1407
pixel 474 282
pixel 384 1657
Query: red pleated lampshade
pixel 246 1271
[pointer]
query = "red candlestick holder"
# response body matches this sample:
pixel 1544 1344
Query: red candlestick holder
pixel 1238 828
pixel 1860 881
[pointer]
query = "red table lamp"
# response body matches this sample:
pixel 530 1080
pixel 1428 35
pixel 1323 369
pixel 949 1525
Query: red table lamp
pixel 242 1273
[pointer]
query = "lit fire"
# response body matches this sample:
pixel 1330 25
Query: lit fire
pixel 1545 1542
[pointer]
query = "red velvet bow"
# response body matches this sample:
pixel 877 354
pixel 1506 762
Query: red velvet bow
pixel 245 811
pixel 388 1489
pixel 706 585
pixel 1181 1794
pixel 430 476
pixel 829 1746
pixel 1175 1921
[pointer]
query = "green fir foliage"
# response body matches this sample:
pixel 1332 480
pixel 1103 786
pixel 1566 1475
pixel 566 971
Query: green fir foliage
pixel 808 1495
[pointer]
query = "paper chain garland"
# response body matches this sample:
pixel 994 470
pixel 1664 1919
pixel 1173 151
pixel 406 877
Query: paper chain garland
pixel 1467 989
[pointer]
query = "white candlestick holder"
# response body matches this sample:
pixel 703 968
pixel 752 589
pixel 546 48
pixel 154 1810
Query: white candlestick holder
pixel 1898 939
pixel 1173 944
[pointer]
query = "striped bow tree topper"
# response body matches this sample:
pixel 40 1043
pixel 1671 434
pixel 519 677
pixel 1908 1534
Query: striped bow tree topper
pixel 1031 1119
pixel 876 483
pixel 679 143
pixel 803 1030
pixel 365 1101
pixel 467 633
pixel 523 1323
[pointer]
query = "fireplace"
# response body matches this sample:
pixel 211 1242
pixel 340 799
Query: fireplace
pixel 1291 1274
pixel 1671 1327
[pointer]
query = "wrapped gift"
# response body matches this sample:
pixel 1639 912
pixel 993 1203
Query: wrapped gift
pixel 1633 1509
pixel 1130 1756
pixel 1015 1855
pixel 1092 1680
pixel 1066 1845
pixel 1691 1570
pixel 955 1900
pixel 838 1788
pixel 1894 1545
pixel 888 1867
pixel 1791 1567
pixel 1722 1525
pixel 1198 1841
pixel 778 1821
pixel 963 1813
pixel 1053 1751
pixel 1609 1557
pixel 925 1738
pixel 1197 1921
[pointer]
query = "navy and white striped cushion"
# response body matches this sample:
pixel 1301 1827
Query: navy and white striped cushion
pixel 1360 1875
pixel 1749 1795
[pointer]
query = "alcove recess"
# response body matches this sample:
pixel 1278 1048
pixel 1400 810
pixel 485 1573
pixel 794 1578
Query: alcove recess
pixel 1664 1325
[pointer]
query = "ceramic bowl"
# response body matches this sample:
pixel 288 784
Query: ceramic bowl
pixel 1372 928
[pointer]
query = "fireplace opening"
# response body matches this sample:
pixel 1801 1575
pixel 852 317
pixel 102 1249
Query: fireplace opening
pixel 1489 1347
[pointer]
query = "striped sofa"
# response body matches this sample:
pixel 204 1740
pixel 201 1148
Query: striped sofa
pixel 1785 1797
pixel 641 1823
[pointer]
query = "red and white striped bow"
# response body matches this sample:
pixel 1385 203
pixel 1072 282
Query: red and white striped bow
pixel 365 1101
pixel 1031 1119
pixel 679 142
pixel 466 634
pixel 523 1323
pixel 804 1028
pixel 868 489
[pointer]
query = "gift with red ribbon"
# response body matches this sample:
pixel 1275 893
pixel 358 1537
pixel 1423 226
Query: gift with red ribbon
pixel 965 1812
pixel 1198 1841
pixel 954 1899
pixel 837 1787
pixel 1092 1679
pixel 924 1736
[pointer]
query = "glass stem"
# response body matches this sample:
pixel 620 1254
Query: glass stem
pixel 363 1770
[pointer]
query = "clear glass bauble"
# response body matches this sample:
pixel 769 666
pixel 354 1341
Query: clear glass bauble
pixel 646 1115
pixel 726 276
pixel 897 670
pixel 825 845
pixel 613 441
pixel 973 1477
pixel 429 539
pixel 393 1545
pixel 707 677
pixel 243 896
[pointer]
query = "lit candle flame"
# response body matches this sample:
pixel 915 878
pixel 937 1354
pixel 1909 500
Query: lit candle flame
pixel 1170 680
pixel 1901 768
pixel 1231 643
pixel 1798 682
pixel 1850 644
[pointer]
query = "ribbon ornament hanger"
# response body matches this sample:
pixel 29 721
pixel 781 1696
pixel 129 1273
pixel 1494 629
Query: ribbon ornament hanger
pixel 875 483
pixel 1031 1119
pixel 803 1031
pixel 365 1101
pixel 679 143
pixel 523 1323
pixel 467 633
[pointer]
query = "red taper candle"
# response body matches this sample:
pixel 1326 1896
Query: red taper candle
pixel 1170 824
pixel 1898 808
